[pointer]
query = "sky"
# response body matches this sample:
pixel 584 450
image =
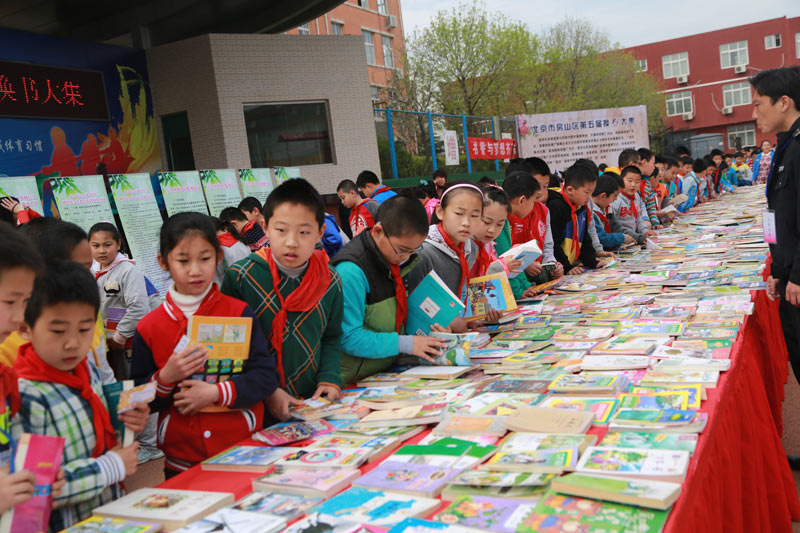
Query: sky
pixel 675 18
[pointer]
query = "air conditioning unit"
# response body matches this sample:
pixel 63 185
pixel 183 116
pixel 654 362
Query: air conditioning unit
pixel 740 69
pixel 682 79
pixel 688 116
pixel 391 21
pixel 727 110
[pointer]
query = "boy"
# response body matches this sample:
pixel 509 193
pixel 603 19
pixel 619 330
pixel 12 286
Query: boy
pixel 627 209
pixel 370 186
pixel 251 231
pixel 605 193
pixel 296 295
pixel 61 395
pixel 372 267
pixel 691 185
pixel 685 166
pixel 362 212
pixel 628 156
pixel 252 209
pixel 745 174
pixel 569 221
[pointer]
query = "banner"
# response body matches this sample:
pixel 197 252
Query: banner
pixel 24 189
pixel 256 182
pixel 221 188
pixel 82 200
pixel 488 148
pixel 597 134
pixel 182 192
pixel 141 220
pixel 285 173
pixel 506 136
pixel 450 147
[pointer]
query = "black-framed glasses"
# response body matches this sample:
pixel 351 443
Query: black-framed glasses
pixel 397 252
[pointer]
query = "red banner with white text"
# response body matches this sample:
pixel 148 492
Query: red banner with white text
pixel 487 148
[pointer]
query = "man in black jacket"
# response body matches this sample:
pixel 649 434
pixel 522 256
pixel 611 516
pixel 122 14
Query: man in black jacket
pixel 776 108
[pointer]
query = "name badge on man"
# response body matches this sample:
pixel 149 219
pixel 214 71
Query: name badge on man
pixel 770 234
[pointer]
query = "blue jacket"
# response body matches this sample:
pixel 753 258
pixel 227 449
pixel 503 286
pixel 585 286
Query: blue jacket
pixel 383 193
pixel 757 163
pixel 689 188
pixel 332 239
pixel 610 241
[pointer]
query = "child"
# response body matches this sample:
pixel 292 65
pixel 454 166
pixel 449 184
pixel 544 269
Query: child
pixel 569 218
pixel 61 395
pixel 251 231
pixel 433 199
pixel 745 175
pixel 605 193
pixel 15 213
pixel 440 181
pixel 671 180
pixel 372 267
pixel 596 244
pixel 690 185
pixel 496 210
pixel 362 212
pixel 449 249
pixel 686 167
pixel 252 209
pixel 232 245
pixel 370 186
pixel 626 208
pixel 189 251
pixel 297 295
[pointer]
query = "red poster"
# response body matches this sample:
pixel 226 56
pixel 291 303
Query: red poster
pixel 487 148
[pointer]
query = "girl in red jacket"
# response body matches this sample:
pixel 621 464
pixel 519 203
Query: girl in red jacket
pixel 189 250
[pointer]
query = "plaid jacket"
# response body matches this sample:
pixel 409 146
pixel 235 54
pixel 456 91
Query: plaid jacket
pixel 56 410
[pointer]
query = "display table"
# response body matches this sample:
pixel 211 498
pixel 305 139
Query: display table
pixel 738 479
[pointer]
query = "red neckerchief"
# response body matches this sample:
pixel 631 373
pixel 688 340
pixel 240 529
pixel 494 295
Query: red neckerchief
pixel 633 205
pixel 380 190
pixel 462 259
pixel 315 282
pixel 603 216
pixel 226 239
pixel 483 260
pixel 9 390
pixel 400 295
pixel 576 245
pixel 537 225
pixel 30 366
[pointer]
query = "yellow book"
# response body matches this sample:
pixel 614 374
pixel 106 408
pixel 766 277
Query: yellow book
pixel 489 292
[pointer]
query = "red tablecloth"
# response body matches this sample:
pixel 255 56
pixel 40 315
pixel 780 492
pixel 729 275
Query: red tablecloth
pixel 738 479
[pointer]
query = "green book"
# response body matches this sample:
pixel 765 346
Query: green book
pixel 641 492
pixel 452 492
pixel 112 392
pixel 657 441
pixel 531 334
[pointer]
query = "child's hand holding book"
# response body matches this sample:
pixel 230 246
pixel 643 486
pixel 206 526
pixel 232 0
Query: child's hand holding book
pixel 129 456
pixel 278 404
pixel 15 488
pixel 182 364
pixel 195 395
pixel 329 391
pixel 427 347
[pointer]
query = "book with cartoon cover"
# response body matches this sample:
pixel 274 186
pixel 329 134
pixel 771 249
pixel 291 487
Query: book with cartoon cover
pixel 485 513
pixel 375 507
pixel 286 506
pixel 489 292
pixel 406 478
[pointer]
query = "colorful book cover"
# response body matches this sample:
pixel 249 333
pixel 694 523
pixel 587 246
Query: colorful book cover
pixel 318 480
pixel 602 408
pixel 289 432
pixel 583 382
pixel 634 461
pixel 166 506
pixel 584 334
pixel 657 400
pixel 96 524
pixel 513 384
pixel 529 334
pixel 657 441
pixel 695 392
pixel 456 349
pixel 316 409
pixel 237 457
pixel 536 460
pixel 489 292
pixel 229 519
pixel 485 513
pixel 526 253
pixel 642 330
pixel 484 478
pixel 417 525
pixel 144 393
pixel 654 416
pixel 538 358
pixel 657 494
pixel 427 480
pixel 375 507
pixel 287 506
pixel 432 303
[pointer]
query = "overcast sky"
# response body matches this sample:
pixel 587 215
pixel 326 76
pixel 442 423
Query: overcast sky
pixel 631 22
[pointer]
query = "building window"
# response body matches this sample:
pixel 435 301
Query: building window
pixel 734 94
pixel 376 94
pixel 675 65
pixel 288 135
pixel 772 41
pixel 679 103
pixel 744 134
pixel 640 65
pixel 797 44
pixel 733 54
pixel 388 51
pixel 382 7
pixel 304 29
pixel 336 28
pixel 363 3
pixel 369 46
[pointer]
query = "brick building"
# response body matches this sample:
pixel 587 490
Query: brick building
pixel 705 80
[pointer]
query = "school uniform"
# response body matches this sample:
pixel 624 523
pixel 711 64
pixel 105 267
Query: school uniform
pixel 123 286
pixel 572 244
pixel 438 254
pixel 363 216
pixel 233 250
pixel 602 221
pixel 382 193
pixel 627 217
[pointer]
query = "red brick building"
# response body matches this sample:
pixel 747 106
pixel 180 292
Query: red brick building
pixel 705 80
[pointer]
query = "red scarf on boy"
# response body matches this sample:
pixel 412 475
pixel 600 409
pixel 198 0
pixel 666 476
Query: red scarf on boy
pixel 30 366
pixel 400 295
pixel 603 216
pixel 315 282
pixel 484 259
pixel 633 205
pixel 462 258
pixel 576 243
pixel 9 390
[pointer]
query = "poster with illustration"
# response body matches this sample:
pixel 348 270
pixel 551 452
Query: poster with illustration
pixel 82 200
pixel 24 189
pixel 255 182
pixel 285 173
pixel 221 189
pixel 182 191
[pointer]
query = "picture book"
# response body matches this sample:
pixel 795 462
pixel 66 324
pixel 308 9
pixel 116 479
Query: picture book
pixel 169 507
pixel 584 334
pixel 529 334
pixel 245 459
pixel 695 392
pixel 657 441
pixel 483 478
pixel 446 455
pixel 504 407
pixel 458 424
pixel 656 400
pixel 404 416
pixel 526 253
pixel 666 465
pixel 316 409
pixel 570 346
pixel 383 378
pixel 417 525
pixel 375 507
pixel 645 416
pixel 614 362
pixel 517 384
pixel 650 330
pixel 602 408
pixel 528 493
pixel 286 506
pixel 585 383
pixel 702 344
pixel 113 393
pixel 553 461
pixel 313 483
pixel 144 393
pixel 641 492
pixel 709 333
pixel 489 292
pixel 229 519
pixel 692 364
pixel 485 513
pixel 538 358
pixel 707 378
pixel 96 524
pixel 549 420
pixel 432 302
pixel 671 352
pixel 545 441
pixel 437 372
pixel 456 349
pixel 414 479
pixel 629 345
pixel 316 523
pixel 228 342
pixel 41 455
pixel 289 432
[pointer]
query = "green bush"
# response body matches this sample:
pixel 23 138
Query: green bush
pixel 411 166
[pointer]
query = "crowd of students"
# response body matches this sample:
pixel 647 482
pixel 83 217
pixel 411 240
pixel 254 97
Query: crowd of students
pixel 325 313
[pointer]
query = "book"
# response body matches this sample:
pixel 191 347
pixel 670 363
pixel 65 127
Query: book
pixel 660 465
pixel 456 349
pixel 614 362
pixel 432 302
pixel 375 507
pixel 286 506
pixel 549 420
pixel 527 253
pixel 313 483
pixel 113 393
pixel 437 372
pixel 656 400
pixel 489 292
pixel 414 479
pixel 235 520
pixel 485 513
pixel 656 441
pixel 96 524
pixel 602 408
pixel 535 461
pixel 316 409
pixel 695 392
pixel 171 508
pixel 517 384
pixel 290 432
pixel 641 492
pixel 586 383
pixel 629 345
pixel 446 453
pixel 457 424
pixel 530 493
pixel 529 334
pixel 256 459
pixel 646 417
pixel 41 455
pixel 491 478
pixel 583 334
pixel 417 525
pixel 404 416
pixel 692 363
pixel 144 393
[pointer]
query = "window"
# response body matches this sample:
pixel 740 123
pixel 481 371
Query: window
pixel 336 28
pixel 675 65
pixel 640 65
pixel 288 135
pixel 388 51
pixel 744 134
pixel 797 44
pixel 303 30
pixel 382 7
pixel 679 103
pixel 772 41
pixel 734 94
pixel 733 54
pixel 363 3
pixel 370 46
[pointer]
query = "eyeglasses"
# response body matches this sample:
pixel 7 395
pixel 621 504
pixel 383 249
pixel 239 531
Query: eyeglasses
pixel 398 252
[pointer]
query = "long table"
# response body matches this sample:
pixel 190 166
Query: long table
pixel 738 479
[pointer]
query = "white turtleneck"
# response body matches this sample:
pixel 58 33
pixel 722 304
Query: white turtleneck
pixel 295 272
pixel 187 303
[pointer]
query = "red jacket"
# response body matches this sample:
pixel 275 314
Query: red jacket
pixel 531 228
pixel 187 440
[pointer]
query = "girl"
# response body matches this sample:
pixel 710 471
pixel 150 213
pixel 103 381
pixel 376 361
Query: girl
pixel 496 209
pixel 190 252
pixel 233 248
pixel 449 249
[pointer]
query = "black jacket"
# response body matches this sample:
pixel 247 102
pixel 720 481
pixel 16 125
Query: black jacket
pixel 783 196
pixel 560 217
